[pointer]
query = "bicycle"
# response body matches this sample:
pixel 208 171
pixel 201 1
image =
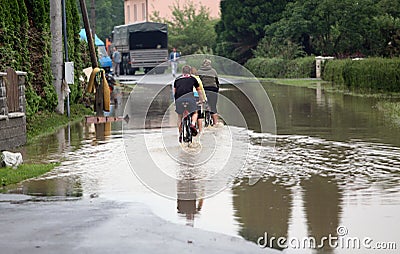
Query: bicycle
pixel 186 135
pixel 208 120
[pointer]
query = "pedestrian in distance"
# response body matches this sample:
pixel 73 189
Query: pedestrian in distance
pixel 173 59
pixel 116 58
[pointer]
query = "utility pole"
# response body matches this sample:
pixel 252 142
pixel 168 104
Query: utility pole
pixel 89 36
pixel 99 96
pixel 64 26
pixel 93 17
pixel 57 52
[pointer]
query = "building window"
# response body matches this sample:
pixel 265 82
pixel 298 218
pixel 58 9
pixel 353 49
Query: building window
pixel 144 12
pixel 134 13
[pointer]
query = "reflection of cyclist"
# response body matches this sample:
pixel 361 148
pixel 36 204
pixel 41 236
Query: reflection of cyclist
pixel 183 91
pixel 189 208
pixel 200 114
pixel 209 77
pixel 190 201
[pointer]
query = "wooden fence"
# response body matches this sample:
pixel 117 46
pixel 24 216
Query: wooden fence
pixel 12 109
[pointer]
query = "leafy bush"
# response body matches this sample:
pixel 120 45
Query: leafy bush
pixel 373 74
pixel 333 71
pixel 280 68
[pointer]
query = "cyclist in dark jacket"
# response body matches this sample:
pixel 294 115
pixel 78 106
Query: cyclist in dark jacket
pixel 183 92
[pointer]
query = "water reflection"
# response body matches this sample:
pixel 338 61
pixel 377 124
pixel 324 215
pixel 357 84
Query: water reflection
pixel 64 187
pixel 102 131
pixel 264 207
pixel 49 147
pixel 189 202
pixel 332 116
pixel 322 203
pixel 336 162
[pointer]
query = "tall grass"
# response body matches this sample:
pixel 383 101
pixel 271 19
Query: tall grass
pixel 10 175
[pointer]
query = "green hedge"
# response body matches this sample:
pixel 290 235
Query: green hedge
pixel 280 68
pixel 372 74
pixel 333 71
pixel 25 45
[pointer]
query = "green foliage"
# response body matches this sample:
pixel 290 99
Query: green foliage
pixel 266 67
pixel 32 100
pixel 25 45
pixel 333 71
pixel 281 68
pixel 191 29
pixel 374 74
pixel 271 47
pixel 47 122
pixel 13 27
pixel 74 50
pixel 303 67
pixel 108 13
pixel 387 34
pixel 391 110
pixel 40 93
pixel 242 25
pixel 341 28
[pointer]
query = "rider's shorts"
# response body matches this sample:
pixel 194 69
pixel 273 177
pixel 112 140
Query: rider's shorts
pixel 191 107
pixel 212 96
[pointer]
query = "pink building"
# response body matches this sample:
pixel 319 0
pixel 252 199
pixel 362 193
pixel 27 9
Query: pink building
pixel 142 10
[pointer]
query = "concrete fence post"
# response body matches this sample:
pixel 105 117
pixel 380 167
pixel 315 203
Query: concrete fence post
pixel 3 95
pixel 21 91
pixel 319 60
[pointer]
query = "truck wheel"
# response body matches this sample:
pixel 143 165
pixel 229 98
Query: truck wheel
pixel 159 70
pixel 147 69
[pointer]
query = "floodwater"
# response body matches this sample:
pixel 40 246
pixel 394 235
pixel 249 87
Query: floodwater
pixel 334 172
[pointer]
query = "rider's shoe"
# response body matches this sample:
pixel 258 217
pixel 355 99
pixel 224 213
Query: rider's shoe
pixel 193 129
pixel 180 139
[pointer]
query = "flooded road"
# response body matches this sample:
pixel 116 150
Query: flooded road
pixel 335 165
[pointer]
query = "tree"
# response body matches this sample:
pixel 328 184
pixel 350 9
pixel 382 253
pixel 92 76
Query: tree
pixel 340 28
pixel 295 27
pixel 191 29
pixel 109 13
pixel 271 47
pixel 242 25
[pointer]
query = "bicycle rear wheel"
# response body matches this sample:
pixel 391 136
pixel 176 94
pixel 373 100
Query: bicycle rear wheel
pixel 208 121
pixel 186 132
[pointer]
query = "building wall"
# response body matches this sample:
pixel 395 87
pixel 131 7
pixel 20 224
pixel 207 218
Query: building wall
pixel 136 10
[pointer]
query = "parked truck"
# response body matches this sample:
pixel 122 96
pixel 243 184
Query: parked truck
pixel 142 46
pixel 104 59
